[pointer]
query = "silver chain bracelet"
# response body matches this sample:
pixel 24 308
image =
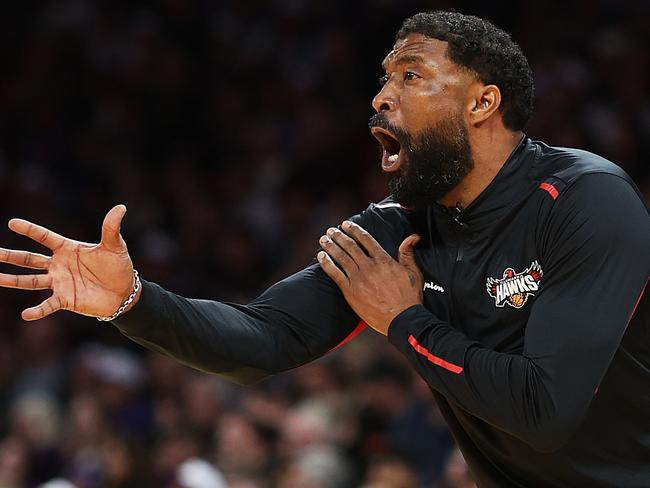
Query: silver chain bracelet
pixel 136 288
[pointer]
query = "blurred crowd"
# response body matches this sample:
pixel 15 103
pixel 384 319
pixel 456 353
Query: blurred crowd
pixel 235 133
pixel 107 417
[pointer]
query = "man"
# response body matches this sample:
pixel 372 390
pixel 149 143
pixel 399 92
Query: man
pixel 508 273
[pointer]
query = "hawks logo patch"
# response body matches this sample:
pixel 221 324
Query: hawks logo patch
pixel 515 288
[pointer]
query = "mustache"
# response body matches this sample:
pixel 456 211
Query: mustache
pixel 378 120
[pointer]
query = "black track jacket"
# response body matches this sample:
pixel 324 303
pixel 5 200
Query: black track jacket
pixel 534 334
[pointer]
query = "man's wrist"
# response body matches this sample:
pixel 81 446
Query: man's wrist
pixel 129 302
pixel 403 322
pixel 136 298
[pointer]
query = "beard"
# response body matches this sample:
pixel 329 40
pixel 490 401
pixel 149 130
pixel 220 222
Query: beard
pixel 434 161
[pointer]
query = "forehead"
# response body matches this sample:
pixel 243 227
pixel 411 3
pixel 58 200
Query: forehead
pixel 419 49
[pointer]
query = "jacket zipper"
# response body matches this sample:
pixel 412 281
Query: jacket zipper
pixel 458 226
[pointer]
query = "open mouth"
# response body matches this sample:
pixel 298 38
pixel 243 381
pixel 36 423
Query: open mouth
pixel 392 149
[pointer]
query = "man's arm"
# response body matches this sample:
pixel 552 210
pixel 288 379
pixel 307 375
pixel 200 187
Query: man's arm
pixel 295 321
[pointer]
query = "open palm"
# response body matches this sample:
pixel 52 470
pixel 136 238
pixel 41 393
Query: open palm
pixel 89 279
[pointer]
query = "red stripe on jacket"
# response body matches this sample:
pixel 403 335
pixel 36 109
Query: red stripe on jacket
pixel 433 358
pixel 550 189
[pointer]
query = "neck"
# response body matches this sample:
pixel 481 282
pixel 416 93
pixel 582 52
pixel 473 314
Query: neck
pixel 490 152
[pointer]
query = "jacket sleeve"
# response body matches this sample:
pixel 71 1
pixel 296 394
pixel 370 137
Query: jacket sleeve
pixel 596 267
pixel 295 321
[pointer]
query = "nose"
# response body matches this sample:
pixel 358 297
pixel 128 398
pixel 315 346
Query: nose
pixel 385 100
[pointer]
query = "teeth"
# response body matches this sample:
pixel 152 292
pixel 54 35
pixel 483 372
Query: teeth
pixel 393 158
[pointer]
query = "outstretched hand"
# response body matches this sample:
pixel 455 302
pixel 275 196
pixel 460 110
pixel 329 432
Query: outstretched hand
pixel 89 279
pixel 376 286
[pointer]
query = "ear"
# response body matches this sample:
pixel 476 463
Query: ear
pixel 484 101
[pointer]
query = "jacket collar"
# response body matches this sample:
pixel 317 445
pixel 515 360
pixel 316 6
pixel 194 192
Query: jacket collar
pixel 509 187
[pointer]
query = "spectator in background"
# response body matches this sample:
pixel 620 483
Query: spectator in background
pixel 197 473
pixel 35 421
pixel 456 474
pixel 241 447
pixel 14 463
pixel 390 473
pixel 57 483
pixel 404 423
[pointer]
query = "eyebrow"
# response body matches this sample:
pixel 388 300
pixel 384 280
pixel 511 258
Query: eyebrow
pixel 404 58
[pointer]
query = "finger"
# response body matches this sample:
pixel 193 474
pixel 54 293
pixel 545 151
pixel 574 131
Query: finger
pixel 111 237
pixel 364 238
pixel 342 258
pixel 406 252
pixel 348 244
pixel 26 282
pixel 38 233
pixel 46 308
pixel 332 270
pixel 25 259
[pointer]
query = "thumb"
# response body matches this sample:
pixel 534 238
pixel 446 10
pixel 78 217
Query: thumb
pixel 406 253
pixel 111 237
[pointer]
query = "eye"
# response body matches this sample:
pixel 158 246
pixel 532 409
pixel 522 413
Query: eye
pixel 410 76
pixel 383 80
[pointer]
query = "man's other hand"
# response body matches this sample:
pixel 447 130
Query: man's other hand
pixel 89 279
pixel 377 287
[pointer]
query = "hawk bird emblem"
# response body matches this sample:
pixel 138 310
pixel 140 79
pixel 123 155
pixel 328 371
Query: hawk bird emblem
pixel 515 288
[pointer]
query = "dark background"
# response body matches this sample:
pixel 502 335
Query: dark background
pixel 235 132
